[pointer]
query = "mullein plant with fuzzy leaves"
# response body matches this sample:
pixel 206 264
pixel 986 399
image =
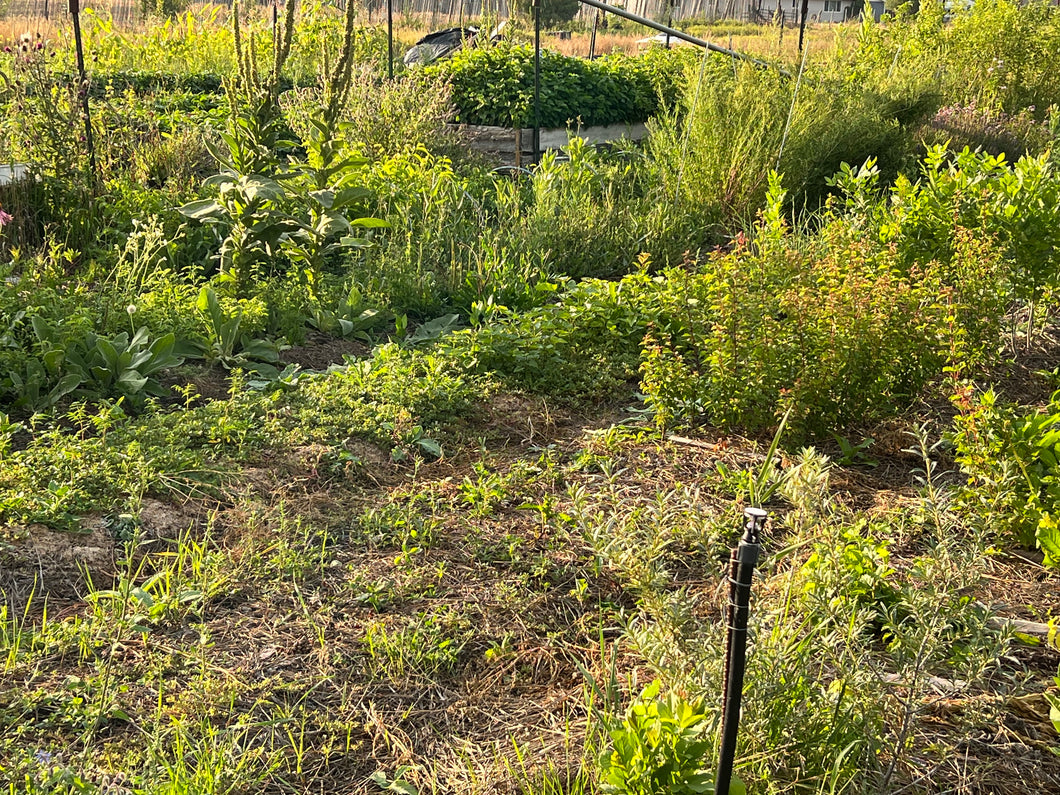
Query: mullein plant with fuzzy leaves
pixel 269 208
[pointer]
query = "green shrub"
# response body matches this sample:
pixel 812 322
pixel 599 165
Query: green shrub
pixel 828 327
pixel 994 54
pixel 737 125
pixel 1018 205
pixel 1003 54
pixel 495 86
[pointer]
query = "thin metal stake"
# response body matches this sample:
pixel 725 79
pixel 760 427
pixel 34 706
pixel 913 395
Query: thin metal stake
pixel 537 81
pixel 75 14
pixel 592 36
pixel 802 22
pixel 741 576
pixel 390 39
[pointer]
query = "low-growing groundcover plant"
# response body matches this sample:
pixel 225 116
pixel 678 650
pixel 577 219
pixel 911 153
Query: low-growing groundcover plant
pixel 397 399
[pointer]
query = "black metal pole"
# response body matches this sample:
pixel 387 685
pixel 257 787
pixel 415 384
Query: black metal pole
pixel 75 15
pixel 390 39
pixel 592 36
pixel 741 576
pixel 802 22
pixel 537 81
pixel 669 20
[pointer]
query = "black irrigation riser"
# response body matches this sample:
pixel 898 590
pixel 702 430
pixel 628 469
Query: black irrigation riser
pixel 741 576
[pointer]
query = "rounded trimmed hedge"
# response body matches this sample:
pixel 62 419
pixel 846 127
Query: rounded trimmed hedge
pixel 495 86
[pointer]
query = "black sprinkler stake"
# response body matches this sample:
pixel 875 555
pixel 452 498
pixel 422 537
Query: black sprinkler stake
pixel 741 575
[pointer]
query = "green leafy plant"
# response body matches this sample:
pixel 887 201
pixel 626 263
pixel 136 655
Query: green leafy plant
pixel 228 344
pixel 852 572
pixel 8 430
pixel 855 454
pixel 1018 204
pixel 351 317
pixel 397 784
pixel 1012 460
pixel 1054 705
pixel 495 86
pixel 147 605
pixel 92 366
pixel 661 746
pixel 247 211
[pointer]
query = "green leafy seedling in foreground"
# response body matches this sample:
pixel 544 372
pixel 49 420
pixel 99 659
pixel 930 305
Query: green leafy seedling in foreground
pixel 662 746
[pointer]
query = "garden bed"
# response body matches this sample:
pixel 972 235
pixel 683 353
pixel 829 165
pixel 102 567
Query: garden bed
pixel 518 143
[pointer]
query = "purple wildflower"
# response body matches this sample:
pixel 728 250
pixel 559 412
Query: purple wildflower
pixel 5 218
